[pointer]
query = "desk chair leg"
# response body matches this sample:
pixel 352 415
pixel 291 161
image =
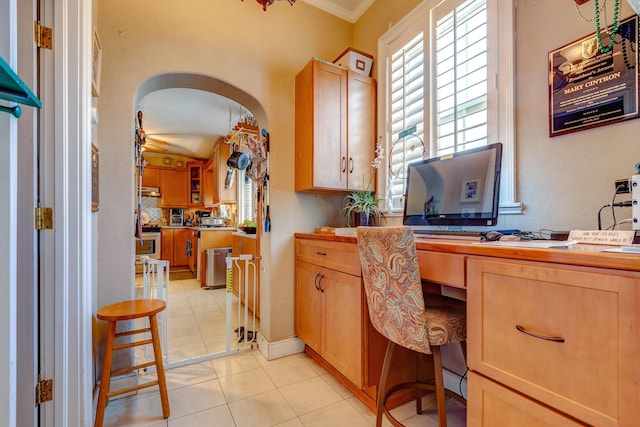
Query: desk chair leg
pixel 105 379
pixel 162 382
pixel 439 380
pixel 382 387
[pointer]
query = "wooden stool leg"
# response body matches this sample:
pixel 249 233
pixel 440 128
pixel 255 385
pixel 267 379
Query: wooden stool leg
pixel 162 382
pixel 419 379
pixel 105 378
pixel 382 387
pixel 439 380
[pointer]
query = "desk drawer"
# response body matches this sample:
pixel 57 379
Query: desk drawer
pixel 339 256
pixel 498 406
pixel 564 336
pixel 447 269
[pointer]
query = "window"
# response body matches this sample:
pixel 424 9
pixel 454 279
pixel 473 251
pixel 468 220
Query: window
pixel 246 191
pixel 444 88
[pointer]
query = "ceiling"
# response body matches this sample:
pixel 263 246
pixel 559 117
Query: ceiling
pixel 189 121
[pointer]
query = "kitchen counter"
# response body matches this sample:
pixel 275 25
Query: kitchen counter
pixel 245 235
pixel 198 228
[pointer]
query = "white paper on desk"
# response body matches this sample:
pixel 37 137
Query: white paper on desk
pixel 532 243
pixel 624 250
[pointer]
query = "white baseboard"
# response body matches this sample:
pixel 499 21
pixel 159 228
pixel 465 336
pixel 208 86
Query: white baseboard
pixel 278 349
pixel 452 382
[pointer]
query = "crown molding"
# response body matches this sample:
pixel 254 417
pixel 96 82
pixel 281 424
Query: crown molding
pixel 349 15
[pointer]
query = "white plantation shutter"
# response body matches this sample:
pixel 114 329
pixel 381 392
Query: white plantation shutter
pixel 446 77
pixel 407 114
pixel 246 190
pixel 460 77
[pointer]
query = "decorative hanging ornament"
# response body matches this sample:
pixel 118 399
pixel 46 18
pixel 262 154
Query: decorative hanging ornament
pixel 614 27
pixel 266 3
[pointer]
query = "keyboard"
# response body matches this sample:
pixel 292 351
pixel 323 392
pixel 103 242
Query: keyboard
pixel 450 234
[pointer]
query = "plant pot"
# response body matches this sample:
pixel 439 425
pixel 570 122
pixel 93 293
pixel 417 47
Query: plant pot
pixel 362 219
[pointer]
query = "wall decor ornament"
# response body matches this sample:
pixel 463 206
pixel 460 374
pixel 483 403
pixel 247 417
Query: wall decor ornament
pixel 266 3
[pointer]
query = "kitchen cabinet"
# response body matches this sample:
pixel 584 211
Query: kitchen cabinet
pixel 174 246
pixel 334 129
pixel 208 181
pixel 196 184
pixel 547 338
pixel 243 246
pixel 221 193
pixel 151 176
pixel 174 184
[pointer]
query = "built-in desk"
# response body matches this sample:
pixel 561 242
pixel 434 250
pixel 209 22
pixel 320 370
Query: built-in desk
pixel 553 334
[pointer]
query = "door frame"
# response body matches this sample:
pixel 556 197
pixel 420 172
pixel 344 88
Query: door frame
pixel 67 255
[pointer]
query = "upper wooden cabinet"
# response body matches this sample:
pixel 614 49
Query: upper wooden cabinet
pixel 196 184
pixel 173 187
pixel 208 181
pixel 222 193
pixel 334 128
pixel 151 176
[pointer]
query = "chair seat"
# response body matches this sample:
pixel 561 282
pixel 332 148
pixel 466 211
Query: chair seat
pixel 127 310
pixel 446 320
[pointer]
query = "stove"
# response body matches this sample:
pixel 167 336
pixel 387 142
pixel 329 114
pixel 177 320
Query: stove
pixel 151 229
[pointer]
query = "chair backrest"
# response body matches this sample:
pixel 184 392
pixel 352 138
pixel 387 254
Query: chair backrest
pixel 391 276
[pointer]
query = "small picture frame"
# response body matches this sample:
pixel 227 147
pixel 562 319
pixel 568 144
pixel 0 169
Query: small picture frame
pixel 95 179
pixel 96 65
pixel 471 190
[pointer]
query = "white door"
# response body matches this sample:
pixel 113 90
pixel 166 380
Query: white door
pixel 27 238
pixel 54 280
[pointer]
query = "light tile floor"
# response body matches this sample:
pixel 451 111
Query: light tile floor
pixel 245 389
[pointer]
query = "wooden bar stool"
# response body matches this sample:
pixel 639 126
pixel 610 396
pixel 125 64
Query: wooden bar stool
pixel 129 310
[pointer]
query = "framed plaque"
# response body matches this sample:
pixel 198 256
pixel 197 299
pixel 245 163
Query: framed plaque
pixel 588 87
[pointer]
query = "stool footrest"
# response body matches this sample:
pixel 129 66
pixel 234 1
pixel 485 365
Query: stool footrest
pixel 133 332
pixel 132 344
pixel 133 368
pixel 132 388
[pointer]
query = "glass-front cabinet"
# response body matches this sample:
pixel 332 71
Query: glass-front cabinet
pixel 195 183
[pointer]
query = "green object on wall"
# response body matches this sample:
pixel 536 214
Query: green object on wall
pixel 13 89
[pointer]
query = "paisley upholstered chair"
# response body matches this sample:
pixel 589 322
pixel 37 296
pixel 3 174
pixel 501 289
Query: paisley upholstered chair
pixel 399 311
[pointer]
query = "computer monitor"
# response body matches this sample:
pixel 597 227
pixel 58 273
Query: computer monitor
pixel 455 190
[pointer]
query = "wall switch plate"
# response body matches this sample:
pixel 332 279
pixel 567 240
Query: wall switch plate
pixel 635 201
pixel 622 186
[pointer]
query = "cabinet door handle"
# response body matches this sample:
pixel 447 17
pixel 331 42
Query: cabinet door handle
pixel 315 282
pixel 350 164
pixel 538 335
pixel 320 283
pixel 344 164
pixel 321 253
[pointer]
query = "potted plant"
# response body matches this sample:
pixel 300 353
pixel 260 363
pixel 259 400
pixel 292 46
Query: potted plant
pixel 363 206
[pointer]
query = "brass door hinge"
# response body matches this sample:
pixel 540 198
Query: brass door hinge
pixel 44 391
pixel 42 36
pixel 43 218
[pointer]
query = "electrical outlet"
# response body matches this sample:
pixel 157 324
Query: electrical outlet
pixel 622 186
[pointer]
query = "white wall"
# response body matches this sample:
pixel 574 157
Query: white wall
pixel 563 180
pixel 234 42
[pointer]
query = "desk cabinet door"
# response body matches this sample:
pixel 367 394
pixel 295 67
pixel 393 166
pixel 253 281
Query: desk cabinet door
pixel 342 322
pixel 308 305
